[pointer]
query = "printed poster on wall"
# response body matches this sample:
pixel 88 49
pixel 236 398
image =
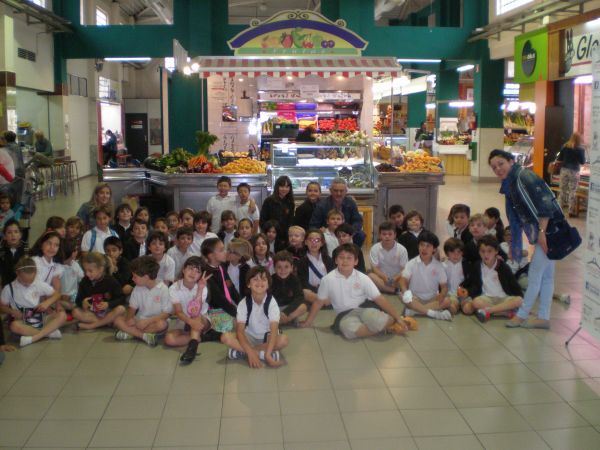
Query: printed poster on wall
pixel 591 294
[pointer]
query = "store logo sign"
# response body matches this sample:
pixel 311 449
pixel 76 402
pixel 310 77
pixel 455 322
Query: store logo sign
pixel 528 59
pixel 579 44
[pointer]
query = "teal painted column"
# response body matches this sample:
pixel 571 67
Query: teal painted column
pixel 331 9
pixel 416 109
pixel 185 110
pixel 446 89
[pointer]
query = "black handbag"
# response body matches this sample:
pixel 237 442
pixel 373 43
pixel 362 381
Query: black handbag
pixel 561 238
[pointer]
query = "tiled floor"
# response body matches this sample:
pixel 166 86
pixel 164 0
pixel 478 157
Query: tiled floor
pixel 450 385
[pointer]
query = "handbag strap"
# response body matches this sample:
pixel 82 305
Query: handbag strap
pixel 225 288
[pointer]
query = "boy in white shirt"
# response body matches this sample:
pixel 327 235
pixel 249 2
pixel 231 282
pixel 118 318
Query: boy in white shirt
pixel 182 249
pixel 456 271
pixel 29 316
pixel 257 334
pixel 93 240
pixel 188 296
pixel 158 242
pixel 423 283
pixel 149 304
pixel 388 259
pixel 334 219
pixel 220 202
pixel 346 289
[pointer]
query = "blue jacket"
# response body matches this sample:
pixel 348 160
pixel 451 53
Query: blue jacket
pixel 529 198
pixel 349 210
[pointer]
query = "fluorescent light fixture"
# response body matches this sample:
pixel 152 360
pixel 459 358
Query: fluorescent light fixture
pixel 187 70
pixel 593 23
pixel 512 85
pixel 404 80
pixel 431 78
pixel 465 68
pixel 460 104
pixel 129 59
pixel 419 60
pixel 429 105
pixel 241 80
pixel 583 79
pixel 513 106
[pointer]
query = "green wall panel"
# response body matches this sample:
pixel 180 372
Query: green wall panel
pixel 488 86
pixel 185 110
pixel 416 109
pixel 446 89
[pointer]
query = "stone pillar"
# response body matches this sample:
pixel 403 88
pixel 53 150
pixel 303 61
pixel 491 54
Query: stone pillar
pixel 8 82
pixel 488 85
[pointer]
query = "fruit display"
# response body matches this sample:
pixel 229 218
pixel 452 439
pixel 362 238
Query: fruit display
pixel 244 166
pixel 267 127
pixel 230 154
pixel 356 138
pixel 347 124
pixel 382 151
pixel 200 164
pixel 326 124
pixel 420 162
pixel 451 138
pixel 386 168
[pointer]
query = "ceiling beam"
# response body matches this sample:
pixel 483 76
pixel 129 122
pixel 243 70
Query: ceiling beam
pixel 53 22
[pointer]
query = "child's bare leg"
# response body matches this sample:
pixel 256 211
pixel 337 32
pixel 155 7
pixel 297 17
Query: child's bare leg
pixel 417 306
pixel 231 341
pixel 177 338
pixel 54 322
pixel 467 307
pixel 106 320
pixel 84 317
pixel 302 309
pixel 122 324
pixel 310 296
pixel 509 304
pixel 153 327
pixel 381 284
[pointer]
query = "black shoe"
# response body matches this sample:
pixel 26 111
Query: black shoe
pixel 211 336
pixel 190 352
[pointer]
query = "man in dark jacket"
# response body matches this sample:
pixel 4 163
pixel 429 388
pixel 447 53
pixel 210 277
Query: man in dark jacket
pixel 491 284
pixel 339 200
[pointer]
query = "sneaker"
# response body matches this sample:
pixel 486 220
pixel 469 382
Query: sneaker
pixel 234 354
pixel 190 353
pixel 440 315
pixel 275 355
pixel 483 315
pixel 150 339
pixel 122 336
pixel 564 298
pixel 56 334
pixel 25 340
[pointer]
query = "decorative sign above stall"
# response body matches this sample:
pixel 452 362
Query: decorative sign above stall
pixel 579 41
pixel 531 56
pixel 305 33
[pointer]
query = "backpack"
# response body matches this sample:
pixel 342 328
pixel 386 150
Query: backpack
pixel 94 235
pixel 249 303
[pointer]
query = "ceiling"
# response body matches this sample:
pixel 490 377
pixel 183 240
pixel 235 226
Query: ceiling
pixel 148 11
pixel 241 12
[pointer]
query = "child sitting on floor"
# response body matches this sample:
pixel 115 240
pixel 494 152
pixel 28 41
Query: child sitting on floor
pixel 257 335
pixel 388 259
pixel 287 289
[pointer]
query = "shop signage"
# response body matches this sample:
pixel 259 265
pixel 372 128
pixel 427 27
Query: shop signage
pixel 270 96
pixel 309 91
pixel 531 56
pixel 578 44
pixel 305 33
pixel 590 315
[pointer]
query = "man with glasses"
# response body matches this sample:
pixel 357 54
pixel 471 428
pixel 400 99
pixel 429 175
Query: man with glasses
pixel 340 201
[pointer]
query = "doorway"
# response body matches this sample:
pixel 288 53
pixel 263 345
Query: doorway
pixel 136 135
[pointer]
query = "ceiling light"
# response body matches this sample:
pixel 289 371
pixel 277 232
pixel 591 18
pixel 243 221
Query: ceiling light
pixel 460 104
pixel 128 59
pixel 187 70
pixel 289 77
pixel 419 60
pixel 429 105
pixel 465 68
pixel 431 78
pixel 240 80
pixel 195 67
pixel 583 79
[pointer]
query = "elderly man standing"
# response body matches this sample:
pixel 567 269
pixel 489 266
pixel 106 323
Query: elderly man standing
pixel 340 200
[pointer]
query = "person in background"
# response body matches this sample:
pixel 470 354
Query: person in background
pixel 93 239
pixel 245 206
pixel 340 200
pixel 123 221
pixel 388 259
pixel 273 233
pixel 15 153
pixel 7 167
pixel 279 205
pixel 572 156
pixel 6 213
pixel 396 216
pixel 220 202
pixel 413 226
pixel 181 251
pixel 495 224
pixel 307 135
pixel 458 222
pixel 304 212
pixel 102 196
pixel 12 248
pixel 120 267
pixel 109 148
pixel 202 226
pixel 334 219
pixel 344 235
pixel 42 144
pixel 136 245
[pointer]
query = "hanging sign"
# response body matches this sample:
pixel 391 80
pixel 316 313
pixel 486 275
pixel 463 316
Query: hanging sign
pixel 590 314
pixel 577 47
pixel 305 33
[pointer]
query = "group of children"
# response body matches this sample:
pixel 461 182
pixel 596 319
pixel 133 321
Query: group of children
pixel 232 282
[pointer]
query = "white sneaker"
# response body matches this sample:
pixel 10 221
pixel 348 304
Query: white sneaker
pixel 122 336
pixel 234 354
pixel 150 339
pixel 56 334
pixel 440 315
pixel 25 340
pixel 409 312
pixel 274 355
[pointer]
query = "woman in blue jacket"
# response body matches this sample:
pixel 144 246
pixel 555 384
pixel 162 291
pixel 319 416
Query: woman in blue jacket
pixel 530 205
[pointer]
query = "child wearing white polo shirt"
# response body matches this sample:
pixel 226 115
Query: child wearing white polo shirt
pixel 491 283
pixel 188 296
pixel 220 202
pixel 334 219
pixel 93 240
pixel 257 334
pixel 29 316
pixel 182 249
pixel 456 271
pixel 388 258
pixel 149 304
pixel 158 242
pixel 346 289
pixel 424 282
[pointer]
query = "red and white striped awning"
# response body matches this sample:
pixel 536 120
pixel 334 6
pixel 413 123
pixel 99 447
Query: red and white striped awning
pixel 297 67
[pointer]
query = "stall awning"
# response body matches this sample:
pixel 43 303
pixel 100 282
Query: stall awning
pixel 297 67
